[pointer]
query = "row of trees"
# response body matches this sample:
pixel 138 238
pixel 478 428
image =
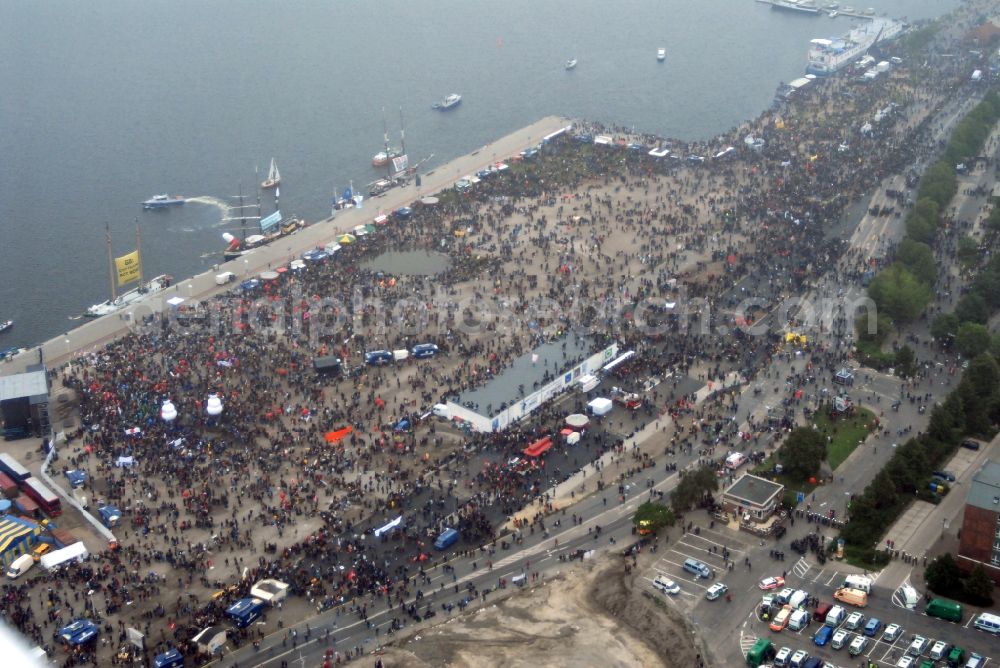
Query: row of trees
pixel 971 408
pixel 903 290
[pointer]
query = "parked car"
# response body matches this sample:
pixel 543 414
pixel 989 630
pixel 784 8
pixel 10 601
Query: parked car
pixel 768 584
pixel 854 621
pixel 666 585
pixel 892 632
pixel 780 620
pixel 970 444
pixel 872 627
pixel 715 591
pixel 946 476
pixel 917 646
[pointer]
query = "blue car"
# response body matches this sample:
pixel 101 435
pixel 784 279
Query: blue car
pixel 822 636
pixel 872 627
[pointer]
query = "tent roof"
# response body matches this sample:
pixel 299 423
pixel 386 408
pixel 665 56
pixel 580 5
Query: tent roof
pixel 22 385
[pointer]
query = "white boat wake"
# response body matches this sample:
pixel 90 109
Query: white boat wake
pixel 223 206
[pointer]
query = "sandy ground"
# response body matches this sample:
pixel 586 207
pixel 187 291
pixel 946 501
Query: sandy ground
pixel 591 614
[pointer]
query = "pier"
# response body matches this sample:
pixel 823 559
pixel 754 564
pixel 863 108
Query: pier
pixel 90 336
pixel 816 9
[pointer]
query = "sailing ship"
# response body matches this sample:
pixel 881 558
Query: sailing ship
pixel 382 158
pixel 273 177
pixel 123 270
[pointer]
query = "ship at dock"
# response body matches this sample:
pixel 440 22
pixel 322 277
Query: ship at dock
pixel 271 227
pixel 828 56
pixel 124 270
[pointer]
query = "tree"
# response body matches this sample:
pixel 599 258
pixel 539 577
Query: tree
pixel 944 328
pixel 918 258
pixel 972 308
pixel 692 488
pixel 802 453
pixel 979 587
pixel 899 293
pixel 972 339
pixel 651 517
pixel 906 361
pixel 943 575
pixel 968 251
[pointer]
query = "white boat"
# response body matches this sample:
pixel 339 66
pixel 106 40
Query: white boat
pixel 828 56
pixel 661 55
pixel 452 100
pixel 570 64
pixel 833 14
pixel 273 177
pixel 5 325
pixel 132 296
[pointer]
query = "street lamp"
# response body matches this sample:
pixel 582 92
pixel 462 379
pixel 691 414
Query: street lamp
pixel 68 352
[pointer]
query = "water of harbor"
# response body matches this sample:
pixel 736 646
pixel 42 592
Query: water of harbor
pixel 107 104
pixel 409 263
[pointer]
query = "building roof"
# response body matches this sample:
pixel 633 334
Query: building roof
pixel 551 359
pixel 753 490
pixel 20 385
pixel 984 492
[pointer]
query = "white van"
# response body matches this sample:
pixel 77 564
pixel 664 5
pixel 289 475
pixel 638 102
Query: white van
pixel 798 599
pixel 858 582
pixel 799 620
pixel 858 645
pixel 988 622
pixel 225 277
pixel 735 460
pixel 20 566
pixel 839 638
pixel 835 616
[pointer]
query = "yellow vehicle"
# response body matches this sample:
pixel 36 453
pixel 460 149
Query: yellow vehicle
pixel 39 550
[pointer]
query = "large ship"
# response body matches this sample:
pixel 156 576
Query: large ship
pixel 828 56
pixel 132 296
pixel 804 6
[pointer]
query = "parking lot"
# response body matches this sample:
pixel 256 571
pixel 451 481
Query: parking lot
pixel 726 553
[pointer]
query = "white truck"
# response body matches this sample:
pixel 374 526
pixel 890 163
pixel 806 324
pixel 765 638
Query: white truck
pixel 76 552
pixel 225 277
pixel 20 566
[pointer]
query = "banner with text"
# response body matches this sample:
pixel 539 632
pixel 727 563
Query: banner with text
pixel 128 267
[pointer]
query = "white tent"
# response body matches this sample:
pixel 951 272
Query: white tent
pixel 600 406
pixel 395 524
pixel 175 301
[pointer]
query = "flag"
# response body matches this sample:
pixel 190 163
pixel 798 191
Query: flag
pixel 128 267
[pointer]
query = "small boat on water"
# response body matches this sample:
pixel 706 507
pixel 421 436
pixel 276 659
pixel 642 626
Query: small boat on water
pixel 570 64
pixel 162 201
pixel 449 102
pixel 5 325
pixel 834 14
pixel 273 177
pixel 661 55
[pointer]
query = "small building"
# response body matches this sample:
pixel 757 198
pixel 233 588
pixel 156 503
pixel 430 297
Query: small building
pixel 753 497
pixel 17 537
pixel 978 544
pixel 24 403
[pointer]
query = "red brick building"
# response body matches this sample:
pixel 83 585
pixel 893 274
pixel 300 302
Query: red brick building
pixel 980 539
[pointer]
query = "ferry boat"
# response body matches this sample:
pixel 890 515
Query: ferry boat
pixel 273 177
pixel 132 296
pixel 162 201
pixel 5 325
pixel 661 55
pixel 570 64
pixel 449 102
pixel 805 6
pixel 828 56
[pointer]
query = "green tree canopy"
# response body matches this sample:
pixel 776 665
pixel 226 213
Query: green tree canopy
pixel 972 339
pixel 692 488
pixel 802 453
pixel 918 258
pixel 653 516
pixel 943 575
pixel 900 294
pixel 945 327
pixel 979 587
pixel 972 308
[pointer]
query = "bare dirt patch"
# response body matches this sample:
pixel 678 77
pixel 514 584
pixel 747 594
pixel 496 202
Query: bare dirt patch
pixel 592 614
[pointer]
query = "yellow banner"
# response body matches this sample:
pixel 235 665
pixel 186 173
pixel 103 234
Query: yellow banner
pixel 128 267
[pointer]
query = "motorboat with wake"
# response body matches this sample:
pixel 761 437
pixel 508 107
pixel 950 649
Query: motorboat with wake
pixel 661 55
pixel 5 325
pixel 162 201
pixel 570 64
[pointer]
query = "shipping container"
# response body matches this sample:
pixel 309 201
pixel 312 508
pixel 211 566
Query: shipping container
pixel 7 486
pixel 43 496
pixel 13 468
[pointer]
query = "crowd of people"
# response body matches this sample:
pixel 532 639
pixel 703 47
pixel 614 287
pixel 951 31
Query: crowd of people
pixel 659 255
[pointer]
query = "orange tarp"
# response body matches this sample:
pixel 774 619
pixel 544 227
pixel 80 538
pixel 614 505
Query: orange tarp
pixel 538 447
pixel 339 435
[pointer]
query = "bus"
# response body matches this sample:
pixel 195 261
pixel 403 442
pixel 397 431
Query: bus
pixel 43 496
pixel 13 468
